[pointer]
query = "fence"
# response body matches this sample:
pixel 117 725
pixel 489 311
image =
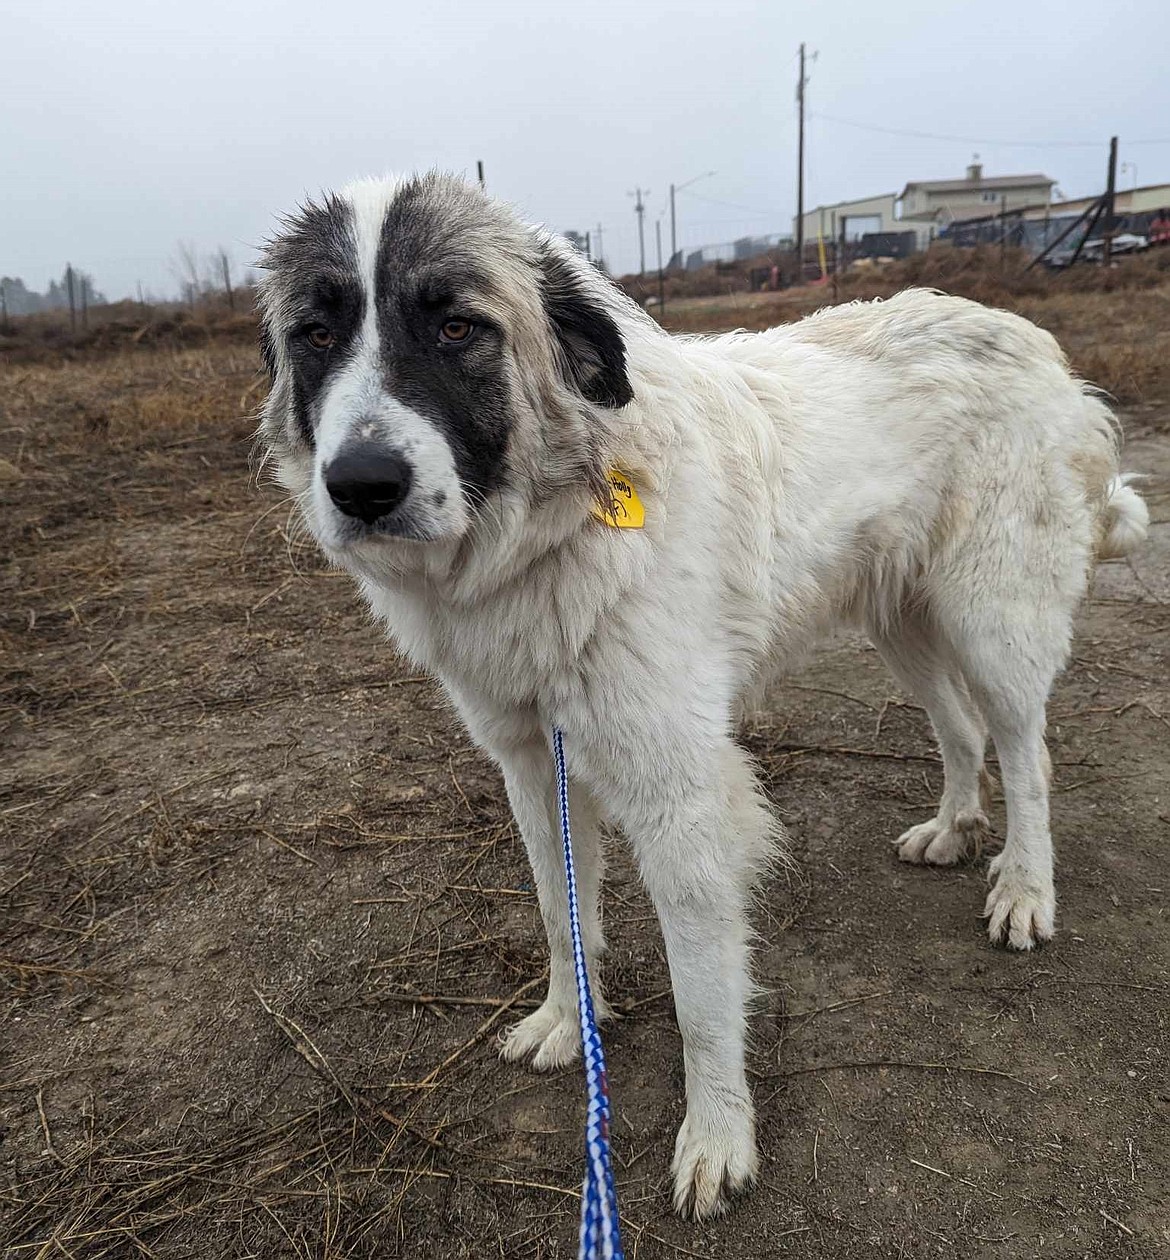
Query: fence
pixel 1034 235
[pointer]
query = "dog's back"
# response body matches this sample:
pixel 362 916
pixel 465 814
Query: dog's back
pixel 953 415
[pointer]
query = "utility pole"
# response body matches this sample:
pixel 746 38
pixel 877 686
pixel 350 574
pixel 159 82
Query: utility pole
pixel 842 260
pixel 800 174
pixel 673 240
pixel 1003 232
pixel 72 298
pixel 676 188
pixel 226 267
pixel 84 301
pixel 1110 193
pixel 479 173
pixel 661 281
pixel 640 211
pixel 600 250
pixel 836 251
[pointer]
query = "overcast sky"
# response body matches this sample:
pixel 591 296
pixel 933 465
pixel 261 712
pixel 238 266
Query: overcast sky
pixel 130 125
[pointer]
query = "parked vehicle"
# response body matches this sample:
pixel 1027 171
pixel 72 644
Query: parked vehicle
pixel 1123 243
pixel 1094 250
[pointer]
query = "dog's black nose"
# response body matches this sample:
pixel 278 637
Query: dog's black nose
pixel 368 482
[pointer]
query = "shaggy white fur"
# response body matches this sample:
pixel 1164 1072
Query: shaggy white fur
pixel 924 468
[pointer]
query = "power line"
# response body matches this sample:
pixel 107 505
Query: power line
pixel 930 135
pixel 734 205
pixel 743 218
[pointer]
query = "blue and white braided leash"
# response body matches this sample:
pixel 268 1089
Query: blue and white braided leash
pixel 600 1237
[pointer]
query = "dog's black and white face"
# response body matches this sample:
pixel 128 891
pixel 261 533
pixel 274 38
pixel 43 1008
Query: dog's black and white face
pixel 430 351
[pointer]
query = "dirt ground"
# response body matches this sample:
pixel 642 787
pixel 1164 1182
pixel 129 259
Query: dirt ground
pixel 263 912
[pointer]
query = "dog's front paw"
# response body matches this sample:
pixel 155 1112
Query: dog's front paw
pixel 1020 907
pixel 943 844
pixel 550 1037
pixel 714 1158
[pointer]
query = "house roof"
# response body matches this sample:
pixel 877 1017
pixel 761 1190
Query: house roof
pixel 1071 204
pixel 979 185
pixel 853 201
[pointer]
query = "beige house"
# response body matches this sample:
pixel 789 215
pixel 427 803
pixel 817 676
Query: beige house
pixel 1144 200
pixel 856 218
pixel 930 205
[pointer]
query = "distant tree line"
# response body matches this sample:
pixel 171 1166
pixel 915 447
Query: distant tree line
pixel 205 277
pixel 201 278
pixel 16 298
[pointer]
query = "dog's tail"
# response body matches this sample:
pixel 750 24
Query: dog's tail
pixel 1125 519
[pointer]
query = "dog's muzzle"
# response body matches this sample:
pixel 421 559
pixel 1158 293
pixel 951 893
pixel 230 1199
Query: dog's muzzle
pixel 368 482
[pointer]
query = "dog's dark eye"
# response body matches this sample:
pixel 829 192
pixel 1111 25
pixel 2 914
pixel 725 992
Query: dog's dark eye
pixel 455 331
pixel 319 337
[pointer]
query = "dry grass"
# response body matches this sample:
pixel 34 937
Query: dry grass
pixel 129 408
pixel 47 337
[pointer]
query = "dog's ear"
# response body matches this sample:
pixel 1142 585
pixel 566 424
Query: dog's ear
pixel 592 350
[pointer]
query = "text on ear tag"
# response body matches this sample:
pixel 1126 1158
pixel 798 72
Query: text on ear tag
pixel 625 510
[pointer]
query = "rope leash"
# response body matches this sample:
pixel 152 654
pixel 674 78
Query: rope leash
pixel 600 1237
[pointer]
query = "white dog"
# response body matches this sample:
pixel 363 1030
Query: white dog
pixel 458 400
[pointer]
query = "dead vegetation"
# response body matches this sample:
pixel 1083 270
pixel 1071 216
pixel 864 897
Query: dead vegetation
pixel 48 337
pixel 263 911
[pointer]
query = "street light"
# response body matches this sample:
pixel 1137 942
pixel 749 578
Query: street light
pixel 678 188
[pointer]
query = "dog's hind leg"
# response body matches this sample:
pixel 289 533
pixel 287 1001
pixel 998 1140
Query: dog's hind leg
pixel 550 1037
pixel 1006 612
pixel 919 663
pixel 1021 906
pixel 1009 661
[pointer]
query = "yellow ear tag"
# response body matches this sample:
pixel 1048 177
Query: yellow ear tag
pixel 625 508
